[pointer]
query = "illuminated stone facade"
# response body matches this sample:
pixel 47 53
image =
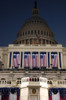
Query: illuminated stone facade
pixel 35 36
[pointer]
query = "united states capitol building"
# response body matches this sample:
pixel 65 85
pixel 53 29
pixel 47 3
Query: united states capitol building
pixel 35 63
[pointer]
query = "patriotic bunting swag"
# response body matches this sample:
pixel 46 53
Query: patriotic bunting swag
pixel 9 93
pixel 54 59
pixel 57 94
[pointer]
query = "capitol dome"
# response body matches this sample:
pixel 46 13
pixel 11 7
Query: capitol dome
pixel 35 30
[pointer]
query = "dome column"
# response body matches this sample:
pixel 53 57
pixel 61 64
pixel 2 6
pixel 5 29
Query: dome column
pixel 29 42
pixel 33 41
pixel 41 41
pixel 45 41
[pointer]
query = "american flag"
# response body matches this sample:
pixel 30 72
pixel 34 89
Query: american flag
pixel 16 59
pixel 54 60
pixel 35 60
pixel 27 59
pixel 43 59
pixel 62 93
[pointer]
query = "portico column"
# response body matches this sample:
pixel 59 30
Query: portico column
pixel 39 59
pixel 20 61
pixel 8 59
pixel 23 61
pixel 12 60
pixel 61 60
pixel 50 60
pixel 31 61
pixel 47 59
pixel 58 61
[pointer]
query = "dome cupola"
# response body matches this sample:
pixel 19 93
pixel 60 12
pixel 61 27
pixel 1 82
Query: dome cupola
pixel 35 9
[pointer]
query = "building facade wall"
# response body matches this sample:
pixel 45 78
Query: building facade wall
pixel 5 54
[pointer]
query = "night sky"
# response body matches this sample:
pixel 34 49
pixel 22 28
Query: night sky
pixel 13 13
